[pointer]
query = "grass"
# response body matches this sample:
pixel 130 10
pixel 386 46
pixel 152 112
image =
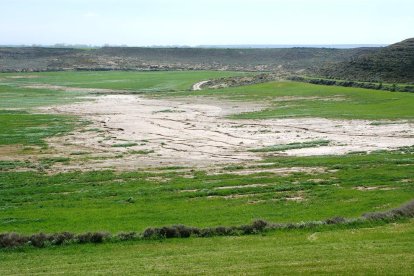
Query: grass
pixel 297 145
pixel 19 127
pixel 141 151
pixel 79 202
pixel 121 80
pixel 124 145
pixel 95 201
pixel 13 96
pixel 293 99
pixel 379 250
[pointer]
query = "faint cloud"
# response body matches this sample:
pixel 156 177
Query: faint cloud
pixel 90 14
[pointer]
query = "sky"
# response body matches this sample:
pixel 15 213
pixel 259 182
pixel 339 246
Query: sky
pixel 205 22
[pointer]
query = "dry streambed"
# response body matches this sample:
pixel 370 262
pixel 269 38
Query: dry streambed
pixel 129 132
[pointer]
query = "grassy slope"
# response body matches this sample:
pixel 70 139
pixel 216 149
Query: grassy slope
pixel 323 101
pixel 136 81
pixel 94 201
pixel 381 250
pixel 394 63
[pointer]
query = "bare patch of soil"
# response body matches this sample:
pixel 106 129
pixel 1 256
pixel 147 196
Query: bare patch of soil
pixel 310 98
pixel 10 151
pixel 130 132
pixel 75 89
pixel 278 171
pixel 23 77
pixel 372 188
pixel 240 186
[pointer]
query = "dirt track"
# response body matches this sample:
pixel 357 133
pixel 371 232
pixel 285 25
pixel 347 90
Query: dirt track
pixel 194 132
pixel 198 85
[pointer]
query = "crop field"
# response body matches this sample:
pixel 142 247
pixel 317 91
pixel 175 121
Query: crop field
pixel 127 153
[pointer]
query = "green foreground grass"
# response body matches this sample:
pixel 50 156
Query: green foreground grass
pixel 380 250
pixel 132 201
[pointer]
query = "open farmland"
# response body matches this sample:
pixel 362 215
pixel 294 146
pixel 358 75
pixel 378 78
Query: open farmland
pixel 124 151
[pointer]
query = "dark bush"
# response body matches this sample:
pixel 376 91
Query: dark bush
pixel 220 231
pixel 184 231
pixel 207 232
pixel 84 238
pixel 127 236
pixel 407 210
pixel 39 240
pixel 335 220
pixel 8 240
pixel 99 237
pixel 259 224
pixel 149 233
pixel 247 229
pixel 169 232
pixel 61 238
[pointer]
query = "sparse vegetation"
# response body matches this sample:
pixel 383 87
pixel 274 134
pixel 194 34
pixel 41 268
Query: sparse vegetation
pixel 296 145
pixel 124 145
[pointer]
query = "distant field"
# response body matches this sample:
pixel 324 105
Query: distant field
pixel 134 81
pixel 293 99
pixel 45 189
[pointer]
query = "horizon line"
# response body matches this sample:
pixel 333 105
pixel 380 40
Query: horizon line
pixel 216 46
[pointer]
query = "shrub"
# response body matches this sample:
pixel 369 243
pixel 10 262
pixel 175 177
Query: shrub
pixel 99 237
pixel 184 231
pixel 259 224
pixel 406 210
pixel 61 238
pixel 149 233
pixel 335 220
pixel 247 229
pixel 127 236
pixel 8 240
pixel 221 231
pixel 84 238
pixel 39 240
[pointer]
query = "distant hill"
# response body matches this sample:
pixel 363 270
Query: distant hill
pixel 267 46
pixel 394 63
pixel 140 58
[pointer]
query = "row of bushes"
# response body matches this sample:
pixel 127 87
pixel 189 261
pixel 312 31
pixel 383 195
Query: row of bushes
pixel 12 240
pixel 367 85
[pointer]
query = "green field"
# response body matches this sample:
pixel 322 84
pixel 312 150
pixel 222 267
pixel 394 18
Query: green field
pixel 380 250
pixel 132 201
pixel 133 81
pixel 294 99
pixel 32 201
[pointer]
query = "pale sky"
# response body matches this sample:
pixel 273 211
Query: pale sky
pixel 205 22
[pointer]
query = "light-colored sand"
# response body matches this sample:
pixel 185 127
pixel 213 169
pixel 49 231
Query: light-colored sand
pixel 74 89
pixel 194 132
pixel 198 85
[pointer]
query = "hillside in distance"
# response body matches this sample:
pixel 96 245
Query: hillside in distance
pixel 16 59
pixel 394 63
